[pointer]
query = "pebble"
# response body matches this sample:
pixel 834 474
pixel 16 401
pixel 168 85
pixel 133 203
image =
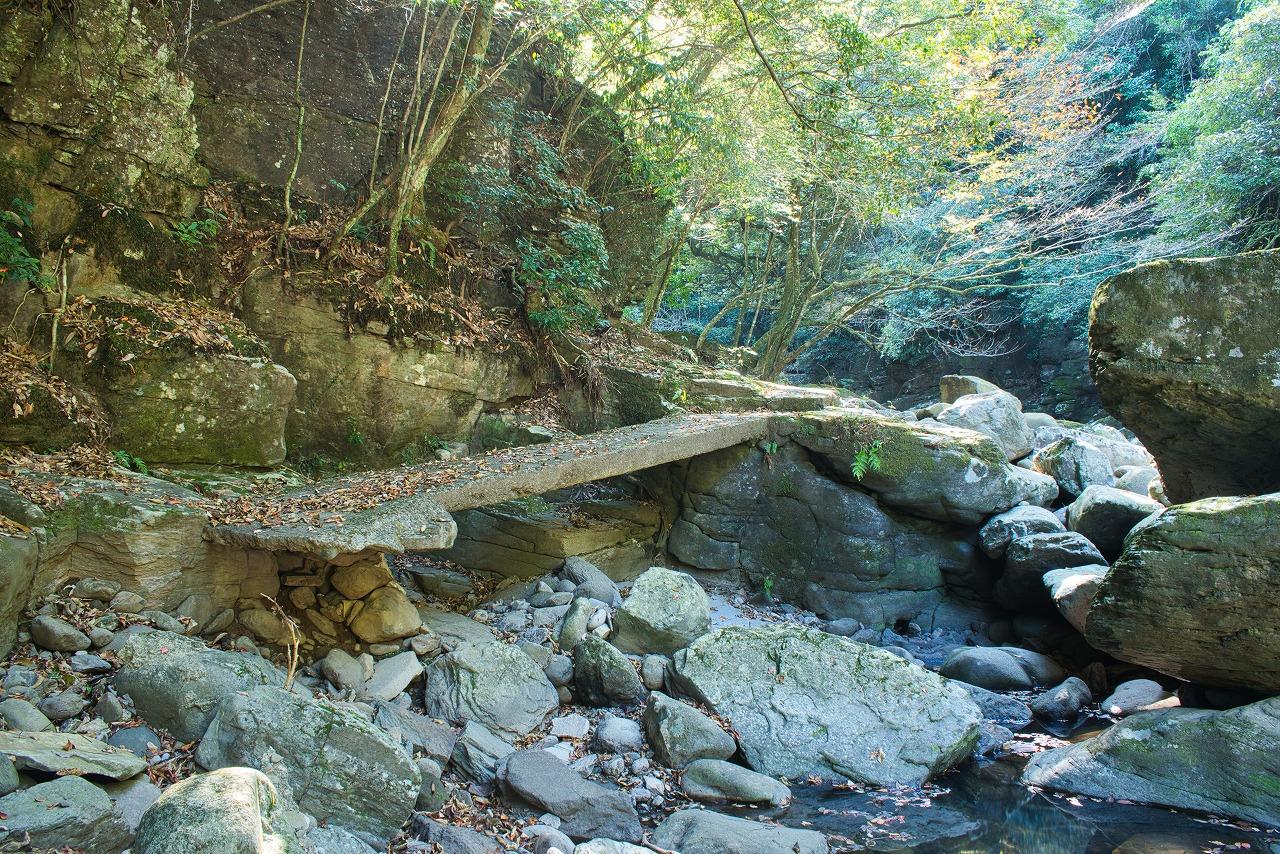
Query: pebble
pixel 127 602
pixel 570 726
pixel 100 637
pixel 110 709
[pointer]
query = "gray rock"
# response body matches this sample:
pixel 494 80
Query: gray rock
pixel 454 840
pixel 1183 758
pixel 589 581
pixel 432 793
pixel 545 838
pixel 48 752
pixel 559 670
pixel 21 715
pixel 928 469
pixel 494 684
pixel 228 811
pixel 679 733
pixel 83 662
pixel 586 809
pixel 127 602
pixel 715 781
pixel 1072 591
pixel 1063 702
pixel 697 831
pixel 137 740
pixel 68 812
pixel 653 671
pixel 176 683
pixel 335 840
pixel 574 626
pixel 609 846
pixel 1105 515
pixel 1007 711
pixel 109 708
pixel 132 799
pixel 1075 464
pixel 58 635
pixel 997 414
pixel 603 676
pixel 665 611
pixel 164 622
pixel 392 675
pixel 1004 528
pixel 806 702
pixel 1001 668
pixel 477 753
pixel 455 629
pixel 420 734
pixel 617 735
pixel 570 726
pixel 62 705
pixel 1136 695
pixel 343 671
pixel 8 776
pixel 1136 479
pixel 95 589
pixel 1196 595
pixel 994 736
pixel 335 763
pixel 952 387
pixel 1021 587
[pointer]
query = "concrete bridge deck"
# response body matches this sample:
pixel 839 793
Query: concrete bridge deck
pixel 408 509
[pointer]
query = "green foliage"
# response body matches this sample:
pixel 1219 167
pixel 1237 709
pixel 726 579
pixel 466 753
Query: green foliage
pixel 1219 169
pixel 126 460
pixel 197 233
pixel 355 438
pixel 766 588
pixel 563 276
pixel 866 460
pixel 17 263
pixel 784 486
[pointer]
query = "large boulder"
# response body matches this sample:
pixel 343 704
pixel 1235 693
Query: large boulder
pixel 177 683
pixel 229 811
pixel 997 414
pixel 1002 529
pixel 931 470
pixel 1075 464
pixel 1001 668
pixel 333 761
pixel 680 734
pixel 1021 587
pixel 952 387
pixel 586 809
pixel 1106 515
pixel 1220 762
pixel 697 831
pixel 806 702
pixel 497 685
pixel 19 557
pixel 1072 591
pixel 603 676
pixel 1196 595
pixel 1184 353
pixel 66 813
pixel 664 612
pixel 714 781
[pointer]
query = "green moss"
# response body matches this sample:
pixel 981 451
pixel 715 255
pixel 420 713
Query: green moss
pixel 145 254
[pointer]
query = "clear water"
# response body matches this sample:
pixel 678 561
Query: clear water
pixel 982 808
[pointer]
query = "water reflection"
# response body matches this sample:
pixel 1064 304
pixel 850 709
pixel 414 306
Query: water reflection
pixel 981 809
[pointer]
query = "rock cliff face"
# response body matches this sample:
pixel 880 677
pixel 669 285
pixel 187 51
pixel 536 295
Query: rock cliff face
pixel 1185 354
pixel 158 121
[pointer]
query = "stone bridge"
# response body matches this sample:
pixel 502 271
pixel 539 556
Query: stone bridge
pixel 408 509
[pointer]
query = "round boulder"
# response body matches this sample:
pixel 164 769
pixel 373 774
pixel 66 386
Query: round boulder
pixel 664 612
